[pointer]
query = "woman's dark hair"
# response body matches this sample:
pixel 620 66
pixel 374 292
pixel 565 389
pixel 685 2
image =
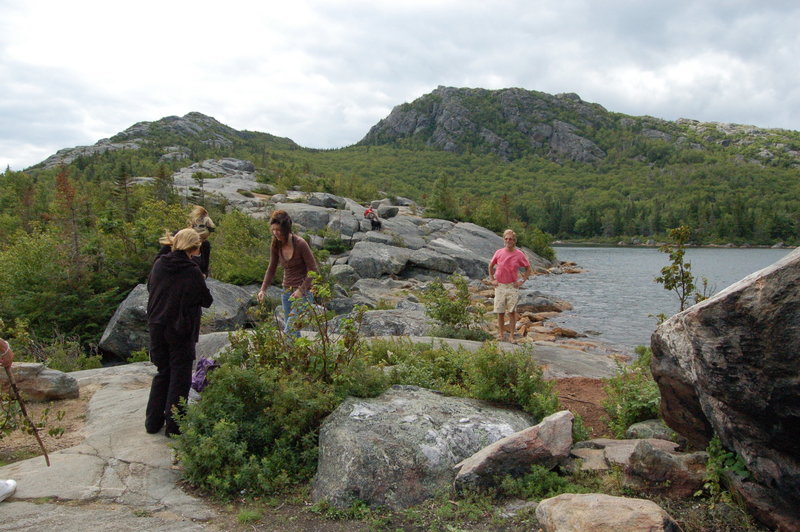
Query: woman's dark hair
pixel 284 223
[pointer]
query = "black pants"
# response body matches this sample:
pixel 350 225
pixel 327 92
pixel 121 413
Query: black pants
pixel 173 357
pixel 376 225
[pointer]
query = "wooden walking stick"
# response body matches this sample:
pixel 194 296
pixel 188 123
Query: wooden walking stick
pixel 13 384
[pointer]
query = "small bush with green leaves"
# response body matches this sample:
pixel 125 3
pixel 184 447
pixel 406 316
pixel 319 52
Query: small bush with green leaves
pixel 240 249
pixel 540 483
pixel 720 461
pixel 633 395
pixel 508 377
pixel 452 310
pixel 61 353
pixel 140 355
pixel 448 331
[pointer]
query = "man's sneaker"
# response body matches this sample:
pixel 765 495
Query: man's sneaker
pixel 7 488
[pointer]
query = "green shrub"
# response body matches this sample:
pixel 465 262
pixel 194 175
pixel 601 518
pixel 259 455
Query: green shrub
pixel 140 355
pixel 448 331
pixel 60 353
pixel 254 431
pixel 510 377
pixel 540 483
pixel 422 364
pixel 452 310
pixel 719 462
pixel 240 249
pixel 633 395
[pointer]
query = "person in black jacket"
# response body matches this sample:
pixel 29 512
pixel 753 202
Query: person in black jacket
pixel 177 291
pixel 200 221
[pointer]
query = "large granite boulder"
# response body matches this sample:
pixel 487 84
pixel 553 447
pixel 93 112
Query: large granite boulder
pixel 399 449
pixel 36 382
pixel 731 366
pixel 127 330
pixel 374 260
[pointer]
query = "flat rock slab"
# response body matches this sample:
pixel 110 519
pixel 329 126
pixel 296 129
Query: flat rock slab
pixel 92 516
pixel 120 471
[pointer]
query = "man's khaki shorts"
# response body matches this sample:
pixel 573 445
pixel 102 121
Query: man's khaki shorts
pixel 505 298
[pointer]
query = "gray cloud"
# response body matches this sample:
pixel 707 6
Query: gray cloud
pixel 322 73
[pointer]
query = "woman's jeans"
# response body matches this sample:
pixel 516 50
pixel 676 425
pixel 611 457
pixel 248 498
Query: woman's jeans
pixel 291 308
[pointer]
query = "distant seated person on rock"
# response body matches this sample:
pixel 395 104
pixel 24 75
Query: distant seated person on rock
pixel 372 216
pixel 7 487
pixel 200 221
pixel 503 274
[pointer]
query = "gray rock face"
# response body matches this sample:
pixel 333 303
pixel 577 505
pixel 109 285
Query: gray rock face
pixel 602 513
pixel 323 199
pixel 118 478
pixel 38 383
pixel 344 275
pixel 387 211
pixel 398 322
pixel 127 330
pixel 730 366
pixel 400 448
pixel 233 179
pixel 308 217
pixel 546 444
pixel 433 260
pixel 374 260
pixel 566 143
pixel 372 292
pixel 445 119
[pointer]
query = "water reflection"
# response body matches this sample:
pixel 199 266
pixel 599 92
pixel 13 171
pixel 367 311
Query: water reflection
pixel 618 297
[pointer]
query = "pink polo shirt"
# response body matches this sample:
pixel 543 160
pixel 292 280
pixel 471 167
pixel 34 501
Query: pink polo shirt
pixel 508 264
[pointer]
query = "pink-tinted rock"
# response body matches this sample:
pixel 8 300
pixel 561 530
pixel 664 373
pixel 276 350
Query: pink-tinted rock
pixel 602 513
pixel 546 444
pixel 731 366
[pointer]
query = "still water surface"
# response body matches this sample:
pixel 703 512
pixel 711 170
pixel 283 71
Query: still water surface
pixel 617 296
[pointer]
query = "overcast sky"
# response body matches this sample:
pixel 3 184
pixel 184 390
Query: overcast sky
pixel 323 72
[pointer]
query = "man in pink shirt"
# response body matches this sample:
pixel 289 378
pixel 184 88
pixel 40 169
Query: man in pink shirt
pixel 503 274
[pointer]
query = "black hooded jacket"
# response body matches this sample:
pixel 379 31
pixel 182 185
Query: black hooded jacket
pixel 177 291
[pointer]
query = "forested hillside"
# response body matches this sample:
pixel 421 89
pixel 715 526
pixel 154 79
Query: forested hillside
pixel 76 233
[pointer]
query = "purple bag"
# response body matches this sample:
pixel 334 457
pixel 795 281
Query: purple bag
pixel 200 377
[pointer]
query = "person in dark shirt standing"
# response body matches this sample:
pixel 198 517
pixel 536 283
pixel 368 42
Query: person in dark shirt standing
pixel 177 291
